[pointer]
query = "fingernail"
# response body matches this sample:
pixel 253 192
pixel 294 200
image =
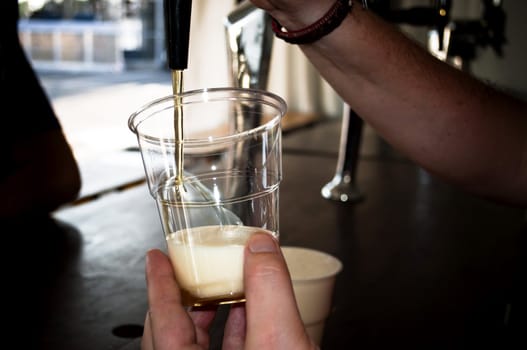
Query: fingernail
pixel 262 243
pixel 147 259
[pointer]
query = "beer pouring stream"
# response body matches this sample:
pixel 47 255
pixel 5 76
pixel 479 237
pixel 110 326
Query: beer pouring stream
pixel 177 15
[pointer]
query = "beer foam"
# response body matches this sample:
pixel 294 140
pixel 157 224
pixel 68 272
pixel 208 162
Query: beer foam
pixel 208 260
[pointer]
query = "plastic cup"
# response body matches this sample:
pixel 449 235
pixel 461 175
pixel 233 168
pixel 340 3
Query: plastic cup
pixel 224 189
pixel 313 274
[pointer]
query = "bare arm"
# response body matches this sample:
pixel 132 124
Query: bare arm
pixel 448 122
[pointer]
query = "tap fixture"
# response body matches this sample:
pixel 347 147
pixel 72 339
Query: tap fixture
pixel 249 41
pixel 343 187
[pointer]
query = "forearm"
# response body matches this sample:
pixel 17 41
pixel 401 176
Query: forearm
pixel 448 122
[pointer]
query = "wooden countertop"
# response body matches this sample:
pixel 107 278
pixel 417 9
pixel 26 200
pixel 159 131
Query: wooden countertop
pixel 425 265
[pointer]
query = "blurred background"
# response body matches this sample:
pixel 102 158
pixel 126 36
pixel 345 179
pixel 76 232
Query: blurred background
pixel 99 60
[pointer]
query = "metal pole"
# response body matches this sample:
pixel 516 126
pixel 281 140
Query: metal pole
pixel 343 186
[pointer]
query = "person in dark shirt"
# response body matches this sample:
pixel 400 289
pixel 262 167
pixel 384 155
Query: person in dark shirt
pixel 39 172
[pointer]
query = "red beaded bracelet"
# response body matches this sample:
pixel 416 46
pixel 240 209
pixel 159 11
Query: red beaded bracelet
pixel 325 25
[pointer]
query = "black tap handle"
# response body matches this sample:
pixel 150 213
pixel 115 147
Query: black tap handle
pixel 177 32
pixel 418 16
pixel 437 16
pixel 494 22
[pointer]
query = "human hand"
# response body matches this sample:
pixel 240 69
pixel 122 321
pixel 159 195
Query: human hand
pixel 295 14
pixel 268 320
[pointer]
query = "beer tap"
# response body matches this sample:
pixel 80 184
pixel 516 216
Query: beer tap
pixel 343 187
pixel 249 40
pixel 177 35
pixel 488 31
pixel 437 16
pixel 249 43
pixel 177 15
pixel 442 19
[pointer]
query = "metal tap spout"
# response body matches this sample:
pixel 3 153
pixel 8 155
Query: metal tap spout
pixel 249 45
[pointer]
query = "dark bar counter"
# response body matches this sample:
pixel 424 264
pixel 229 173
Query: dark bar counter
pixel 426 266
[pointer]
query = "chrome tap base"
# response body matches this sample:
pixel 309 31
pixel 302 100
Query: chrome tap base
pixel 342 189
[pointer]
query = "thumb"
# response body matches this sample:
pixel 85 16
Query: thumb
pixel 273 320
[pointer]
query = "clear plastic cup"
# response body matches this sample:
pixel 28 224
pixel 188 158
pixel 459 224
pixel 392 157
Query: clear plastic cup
pixel 224 189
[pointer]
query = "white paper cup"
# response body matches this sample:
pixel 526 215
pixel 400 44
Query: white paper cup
pixel 313 274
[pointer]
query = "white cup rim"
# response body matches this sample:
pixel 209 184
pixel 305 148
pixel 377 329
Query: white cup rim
pixel 333 263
